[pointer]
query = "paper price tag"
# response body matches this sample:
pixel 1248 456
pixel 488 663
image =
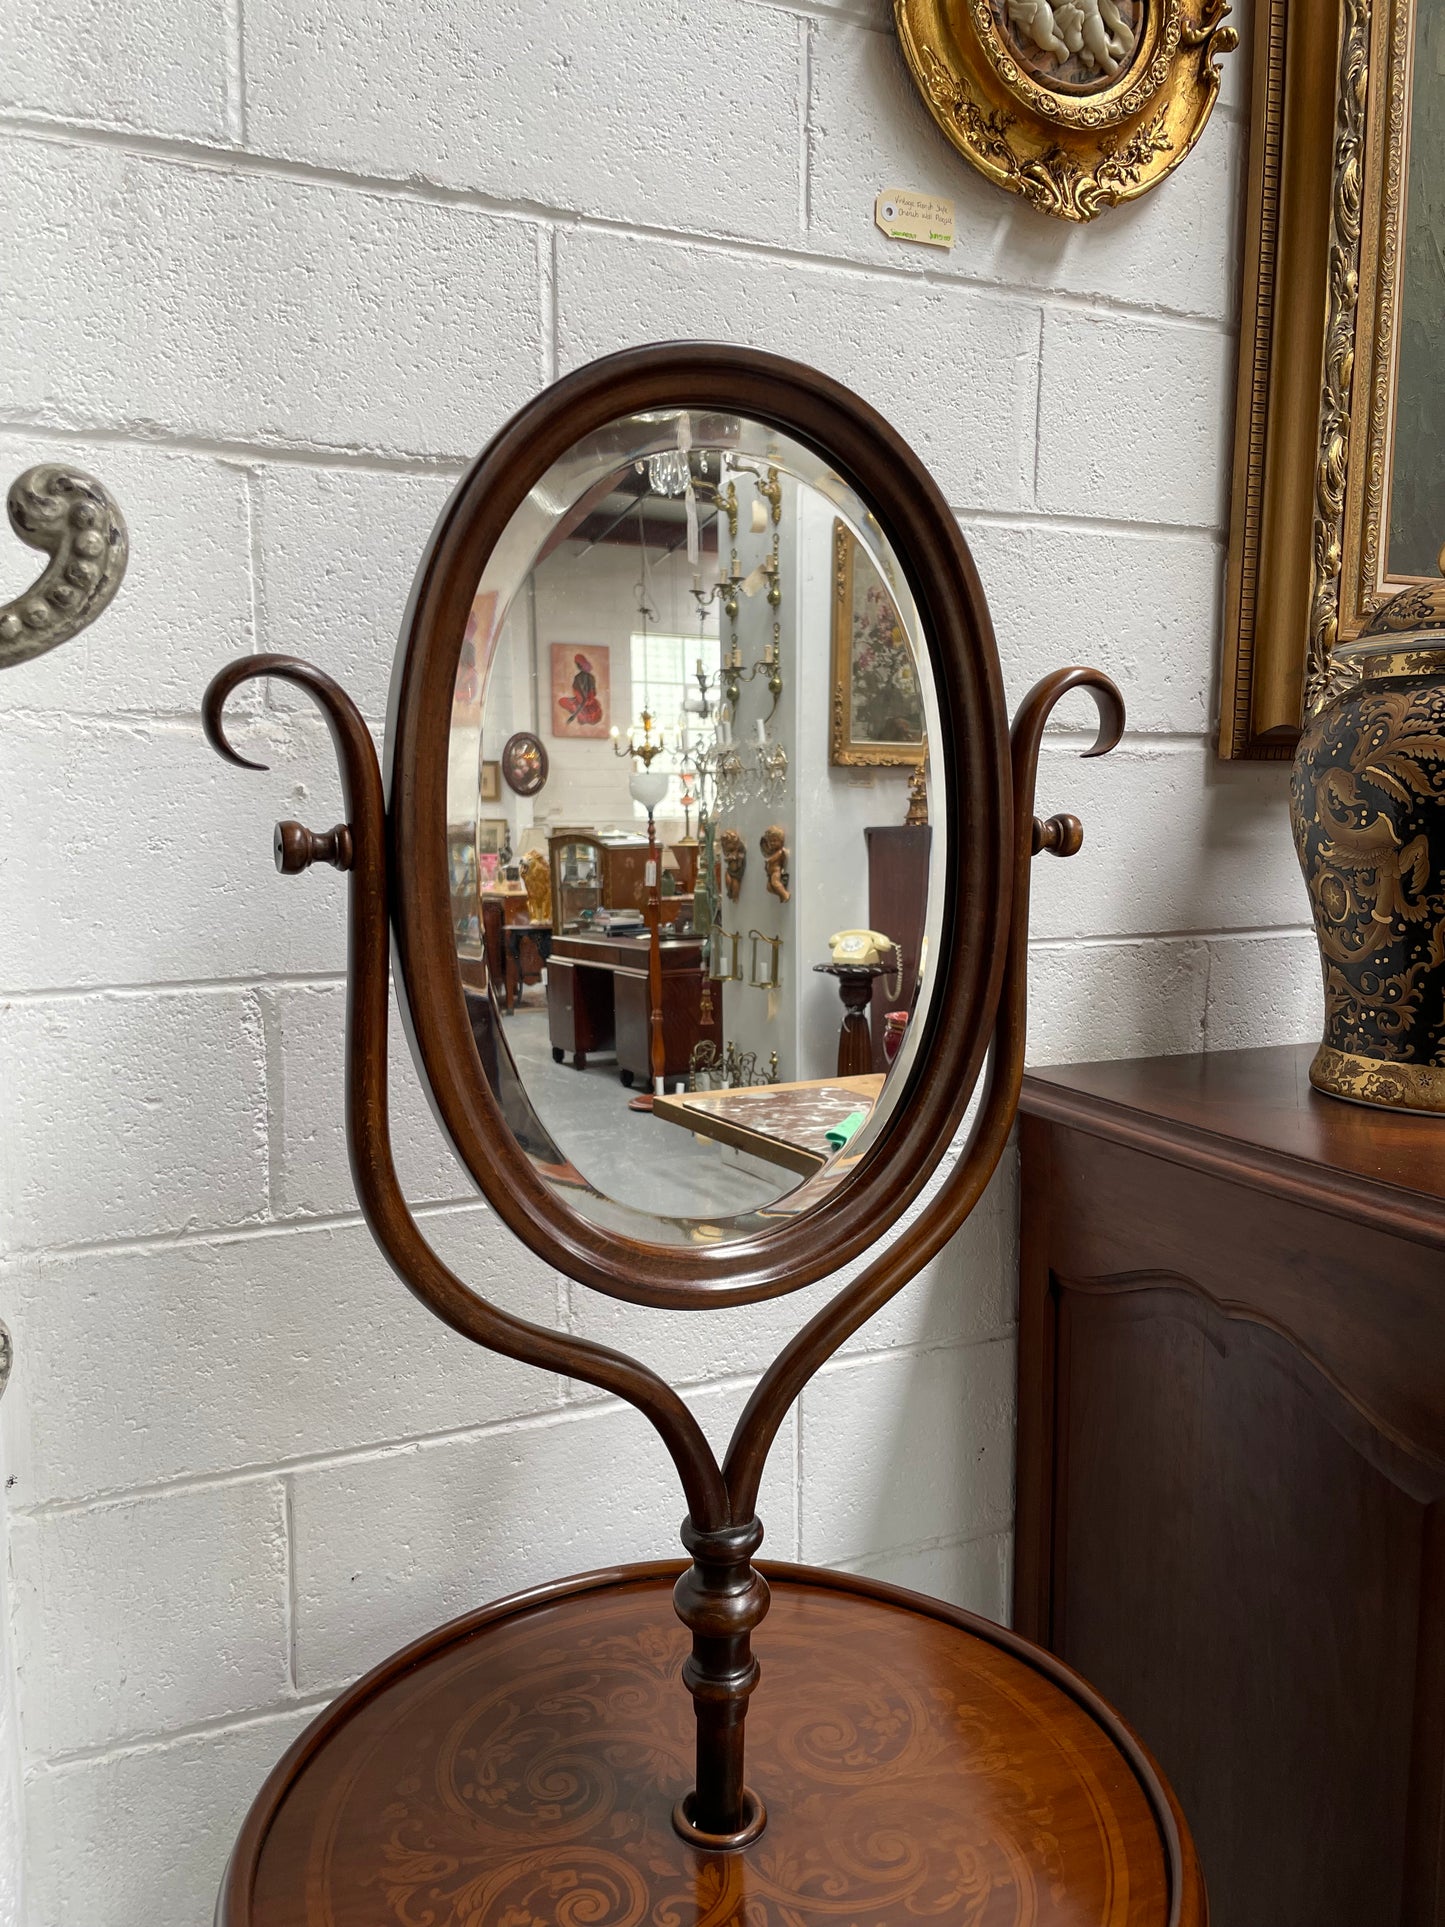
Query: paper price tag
pixel 925 218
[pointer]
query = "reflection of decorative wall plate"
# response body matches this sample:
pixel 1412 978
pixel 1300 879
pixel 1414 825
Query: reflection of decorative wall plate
pixel 1074 104
pixel 524 763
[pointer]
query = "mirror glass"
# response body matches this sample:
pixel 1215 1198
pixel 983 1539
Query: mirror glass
pixel 696 954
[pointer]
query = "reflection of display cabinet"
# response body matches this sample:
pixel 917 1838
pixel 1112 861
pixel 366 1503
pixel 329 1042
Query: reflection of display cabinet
pixel 589 874
pixel 897 905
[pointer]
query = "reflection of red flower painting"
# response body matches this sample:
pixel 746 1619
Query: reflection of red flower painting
pixel 581 690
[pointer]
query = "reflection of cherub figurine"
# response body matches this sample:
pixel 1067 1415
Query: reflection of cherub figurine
pixel 775 861
pixel 537 876
pixel 735 861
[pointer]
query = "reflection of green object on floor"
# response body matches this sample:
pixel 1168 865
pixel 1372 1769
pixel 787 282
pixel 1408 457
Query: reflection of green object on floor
pixel 839 1135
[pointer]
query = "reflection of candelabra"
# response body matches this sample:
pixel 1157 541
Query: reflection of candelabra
pixel 645 751
pixel 729 1069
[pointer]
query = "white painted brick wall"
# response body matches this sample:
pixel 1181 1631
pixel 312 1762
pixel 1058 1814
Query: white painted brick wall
pixel 275 273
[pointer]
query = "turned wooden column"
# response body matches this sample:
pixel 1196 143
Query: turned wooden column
pixel 855 1039
pixel 720 1599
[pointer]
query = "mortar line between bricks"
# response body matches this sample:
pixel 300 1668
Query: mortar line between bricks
pixel 806 29
pixel 1066 745
pixel 322 980
pixel 73 1757
pixel 1243 933
pixel 155 1242
pixel 288 1526
pixel 244 454
pixel 943 1542
pixel 274 729
pixel 826 15
pixel 553 1418
pixel 235 163
pixel 236 71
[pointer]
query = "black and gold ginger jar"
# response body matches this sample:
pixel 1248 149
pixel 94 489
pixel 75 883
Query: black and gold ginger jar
pixel 1368 808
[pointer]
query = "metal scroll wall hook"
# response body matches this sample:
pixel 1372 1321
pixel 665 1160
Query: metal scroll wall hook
pixel 75 521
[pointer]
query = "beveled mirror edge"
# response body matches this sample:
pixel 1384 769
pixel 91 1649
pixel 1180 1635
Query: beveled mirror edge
pixel 827 418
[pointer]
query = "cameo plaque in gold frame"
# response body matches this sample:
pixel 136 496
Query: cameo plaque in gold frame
pixel 1339 452
pixel 1074 104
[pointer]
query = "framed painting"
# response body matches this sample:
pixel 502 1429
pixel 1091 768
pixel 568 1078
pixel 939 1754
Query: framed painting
pixel 1339 462
pixel 877 707
pixel 581 704
pixel 491 783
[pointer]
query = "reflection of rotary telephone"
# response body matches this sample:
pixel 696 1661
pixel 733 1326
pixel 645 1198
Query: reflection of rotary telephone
pixel 862 947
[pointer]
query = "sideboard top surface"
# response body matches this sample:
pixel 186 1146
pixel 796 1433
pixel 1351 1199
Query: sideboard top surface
pixel 1253 1115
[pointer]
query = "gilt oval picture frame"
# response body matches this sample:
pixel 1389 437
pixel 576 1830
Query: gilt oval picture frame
pixel 1076 105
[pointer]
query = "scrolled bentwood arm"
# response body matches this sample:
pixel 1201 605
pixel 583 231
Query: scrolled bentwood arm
pixel 367 1124
pixel 855 1305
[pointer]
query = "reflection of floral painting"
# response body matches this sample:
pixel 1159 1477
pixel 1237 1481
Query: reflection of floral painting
pixel 877 704
pixel 581 689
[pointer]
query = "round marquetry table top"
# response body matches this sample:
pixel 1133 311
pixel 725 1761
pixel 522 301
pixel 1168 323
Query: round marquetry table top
pixel 518 1769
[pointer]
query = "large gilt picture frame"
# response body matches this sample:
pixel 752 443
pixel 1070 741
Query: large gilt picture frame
pixel 1336 474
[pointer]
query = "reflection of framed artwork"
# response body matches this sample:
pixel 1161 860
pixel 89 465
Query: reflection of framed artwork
pixel 1339 451
pixel 491 790
pixel 492 834
pixel 877 707
pixel 581 690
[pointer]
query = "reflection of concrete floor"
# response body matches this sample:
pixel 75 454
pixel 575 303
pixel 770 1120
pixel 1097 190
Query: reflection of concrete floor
pixel 628 1155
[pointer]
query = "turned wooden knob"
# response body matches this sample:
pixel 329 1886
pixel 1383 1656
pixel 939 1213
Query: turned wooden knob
pixel 296 848
pixel 1060 835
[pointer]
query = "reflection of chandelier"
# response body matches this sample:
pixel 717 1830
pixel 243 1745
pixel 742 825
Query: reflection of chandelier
pixel 669 472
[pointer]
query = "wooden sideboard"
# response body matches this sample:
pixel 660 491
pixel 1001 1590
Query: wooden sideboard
pixel 1232 1462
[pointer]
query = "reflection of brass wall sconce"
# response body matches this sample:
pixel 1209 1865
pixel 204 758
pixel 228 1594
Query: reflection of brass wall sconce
pixel 772 981
pixel 769 486
pixel 918 797
pixel 725 500
pixel 732 973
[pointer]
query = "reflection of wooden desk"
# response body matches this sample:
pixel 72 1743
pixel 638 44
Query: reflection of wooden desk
pixel 598 999
pixel 785 1123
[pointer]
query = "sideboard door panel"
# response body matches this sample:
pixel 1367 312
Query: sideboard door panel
pixel 1239 1565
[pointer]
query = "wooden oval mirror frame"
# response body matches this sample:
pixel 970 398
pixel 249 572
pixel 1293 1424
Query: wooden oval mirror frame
pixel 396 862
pixel 972 751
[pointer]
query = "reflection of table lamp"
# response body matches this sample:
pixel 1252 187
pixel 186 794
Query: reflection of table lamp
pixel 648 787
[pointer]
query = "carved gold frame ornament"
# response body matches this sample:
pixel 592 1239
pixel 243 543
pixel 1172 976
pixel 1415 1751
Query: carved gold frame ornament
pixel 1071 152
pixel 1322 261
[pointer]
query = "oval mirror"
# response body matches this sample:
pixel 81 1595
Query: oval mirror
pixel 702 1008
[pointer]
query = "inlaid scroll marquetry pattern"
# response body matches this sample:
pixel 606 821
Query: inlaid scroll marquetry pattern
pixel 525 1777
